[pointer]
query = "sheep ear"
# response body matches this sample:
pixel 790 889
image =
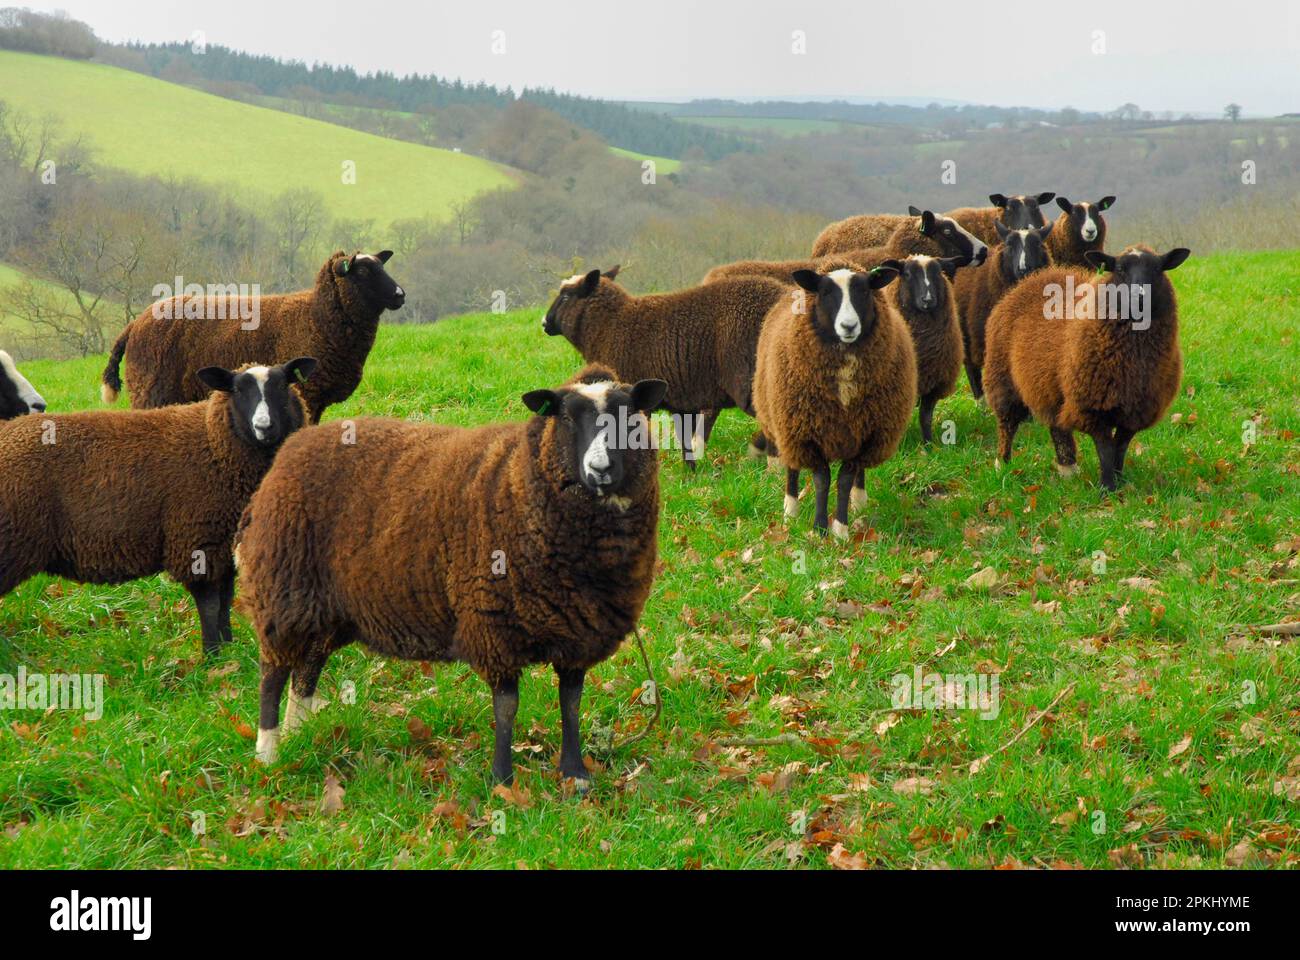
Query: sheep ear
pixel 612 272
pixel 1064 204
pixel 1003 230
pixel 1105 203
pixel 1045 229
pixel 810 280
pixel 217 378
pixel 384 255
pixel 341 266
pixel 997 199
pixel 589 284
pixel 1174 258
pixel 914 211
pixel 648 394
pixel 544 403
pixel 1100 260
pixel 881 276
pixel 927 222
pixel 892 264
pixel 299 369
pixel 950 265
pixel 1046 197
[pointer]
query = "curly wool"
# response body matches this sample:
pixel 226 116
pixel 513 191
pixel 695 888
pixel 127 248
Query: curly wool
pixel 859 232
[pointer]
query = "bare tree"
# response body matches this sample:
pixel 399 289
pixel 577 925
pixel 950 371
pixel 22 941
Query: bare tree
pixel 1232 112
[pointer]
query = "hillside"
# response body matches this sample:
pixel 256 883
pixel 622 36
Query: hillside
pixel 1121 682
pixel 148 126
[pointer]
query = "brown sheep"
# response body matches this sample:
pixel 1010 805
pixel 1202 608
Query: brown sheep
pixel 127 494
pixel 924 299
pixel 1079 229
pixel 701 340
pixel 17 395
pixel 335 320
pixel 783 270
pixel 923 231
pixel 1019 212
pixel 835 383
pixel 500 546
pixel 1018 254
pixel 1088 353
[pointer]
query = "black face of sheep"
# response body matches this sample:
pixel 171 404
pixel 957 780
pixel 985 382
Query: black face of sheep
pixel 605 429
pixel 1023 251
pixel 1142 271
pixel 844 310
pixel 263 409
pixel 1085 218
pixel 566 310
pixel 921 280
pixel 17 396
pixel 1021 211
pixel 366 272
pixel 952 237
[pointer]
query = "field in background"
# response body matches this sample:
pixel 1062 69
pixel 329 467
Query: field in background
pixel 1174 741
pixel 148 126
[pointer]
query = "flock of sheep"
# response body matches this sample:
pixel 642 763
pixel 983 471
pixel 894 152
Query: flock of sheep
pixel 535 541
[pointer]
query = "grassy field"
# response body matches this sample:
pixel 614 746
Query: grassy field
pixel 664 165
pixel 148 126
pixel 1172 739
pixel 783 126
pixel 9 325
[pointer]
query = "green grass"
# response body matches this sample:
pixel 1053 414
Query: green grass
pixel 783 126
pixel 756 629
pixel 10 276
pixel 664 165
pixel 147 126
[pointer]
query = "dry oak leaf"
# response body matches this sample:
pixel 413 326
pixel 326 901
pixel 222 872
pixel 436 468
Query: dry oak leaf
pixel 1180 747
pixel 841 859
pixel 331 801
pixel 915 785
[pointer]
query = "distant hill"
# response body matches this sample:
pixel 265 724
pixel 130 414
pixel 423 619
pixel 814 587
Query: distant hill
pixel 151 127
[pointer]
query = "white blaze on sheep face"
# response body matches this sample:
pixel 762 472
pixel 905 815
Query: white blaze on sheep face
pixel 261 419
pixel 848 325
pixel 596 459
pixel 26 392
pixel 1089 229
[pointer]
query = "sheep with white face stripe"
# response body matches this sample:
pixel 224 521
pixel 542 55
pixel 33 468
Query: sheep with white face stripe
pixel 1079 229
pixel 499 546
pixel 128 494
pixel 17 395
pixel 836 383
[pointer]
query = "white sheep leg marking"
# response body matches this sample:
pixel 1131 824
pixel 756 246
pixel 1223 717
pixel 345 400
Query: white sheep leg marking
pixel 839 530
pixel 268 745
pixel 858 497
pixel 298 710
pixel 791 506
pixel 1067 469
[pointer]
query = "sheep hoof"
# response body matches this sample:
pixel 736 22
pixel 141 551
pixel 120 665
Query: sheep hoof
pixel 1067 469
pixel 268 744
pixel 858 497
pixel 754 453
pixel 300 709
pixel 579 785
pixel 791 507
pixel 839 530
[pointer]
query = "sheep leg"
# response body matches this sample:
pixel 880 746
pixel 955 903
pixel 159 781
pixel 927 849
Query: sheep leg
pixel 571 762
pixel 505 703
pixel 757 444
pixel 1010 416
pixel 822 489
pixel 858 495
pixel 268 724
pixel 1105 444
pixel 706 430
pixel 684 424
pixel 227 598
pixel 1067 454
pixel 927 418
pixel 207 599
pixel 302 692
pixel 843 484
pixel 791 493
pixel 1123 436
pixel 976 377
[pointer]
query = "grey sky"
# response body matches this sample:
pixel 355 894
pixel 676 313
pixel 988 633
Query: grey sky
pixel 1196 55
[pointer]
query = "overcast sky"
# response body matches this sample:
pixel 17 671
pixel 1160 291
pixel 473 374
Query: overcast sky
pixel 1196 55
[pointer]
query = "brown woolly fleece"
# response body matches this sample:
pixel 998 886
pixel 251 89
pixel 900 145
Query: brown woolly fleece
pixel 1096 376
pixel 822 403
pixel 701 340
pixel 856 233
pixel 333 321
pixel 936 336
pixel 427 542
pixel 980 221
pixel 110 496
pixel 783 270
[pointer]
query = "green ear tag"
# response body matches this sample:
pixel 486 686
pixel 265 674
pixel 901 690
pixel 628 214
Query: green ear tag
pixel 546 405
pixel 298 376
pixel 346 265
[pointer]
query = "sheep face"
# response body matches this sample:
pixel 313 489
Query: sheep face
pixel 1142 272
pixel 603 429
pixel 1085 218
pixel 844 311
pixel 366 273
pixel 1022 210
pixel 953 239
pixel 264 409
pixel 1022 252
pixel 922 284
pixel 564 316
pixel 17 395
